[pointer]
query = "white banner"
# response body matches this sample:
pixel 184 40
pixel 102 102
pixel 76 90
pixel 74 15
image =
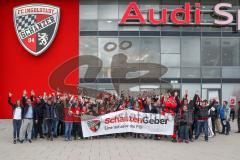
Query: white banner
pixel 128 121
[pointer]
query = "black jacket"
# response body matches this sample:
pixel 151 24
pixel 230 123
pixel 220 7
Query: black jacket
pixel 48 112
pixel 39 108
pixel 201 113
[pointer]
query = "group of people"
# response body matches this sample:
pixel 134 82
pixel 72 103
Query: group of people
pixel 59 114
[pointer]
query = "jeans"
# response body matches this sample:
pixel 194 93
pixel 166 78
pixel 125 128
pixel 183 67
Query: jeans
pixel 77 130
pixel 202 125
pixel 16 128
pixel 49 123
pixel 55 126
pixel 225 126
pixel 38 128
pixel 27 126
pixel 184 132
pixel 44 127
pixel 68 130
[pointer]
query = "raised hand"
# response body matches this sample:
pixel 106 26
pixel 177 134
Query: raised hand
pixel 175 94
pixel 10 94
pixel 24 92
pixel 32 93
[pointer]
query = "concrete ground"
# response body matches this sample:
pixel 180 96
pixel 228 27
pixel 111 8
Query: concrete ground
pixel 220 147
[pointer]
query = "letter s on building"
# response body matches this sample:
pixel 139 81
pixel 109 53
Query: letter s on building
pixel 221 13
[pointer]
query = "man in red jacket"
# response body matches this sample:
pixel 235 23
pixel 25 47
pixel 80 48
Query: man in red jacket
pixel 170 107
pixel 77 127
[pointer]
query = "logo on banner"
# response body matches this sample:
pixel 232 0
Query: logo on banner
pixel 36 26
pixel 94 125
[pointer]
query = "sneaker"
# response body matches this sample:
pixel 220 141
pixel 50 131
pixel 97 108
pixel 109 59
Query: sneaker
pixel 191 140
pixel 14 141
pixel 79 138
pixel 186 141
pixel 206 140
pixel 237 132
pixel 65 139
pixel 30 141
pixel 21 141
pixel 174 140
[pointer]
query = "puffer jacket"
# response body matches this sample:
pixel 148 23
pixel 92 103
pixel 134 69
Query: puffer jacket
pixel 225 113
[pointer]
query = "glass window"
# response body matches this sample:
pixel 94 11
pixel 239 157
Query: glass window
pixel 88 72
pixel 105 72
pixel 146 3
pixel 167 85
pixel 121 9
pixel 231 72
pixel 171 4
pixel 229 90
pixel 191 88
pixel 149 50
pixel 211 53
pixel 89 46
pixel 89 25
pixel 172 73
pixel 190 55
pixel 170 60
pixel 126 89
pixel 107 25
pixel 108 47
pixel 170 45
pixel 107 87
pixel 87 2
pixel 88 12
pixel 190 72
pixel 211 72
pixel 206 4
pixel 130 46
pixel 230 52
pixel 191 29
pixel 108 2
pixel 108 12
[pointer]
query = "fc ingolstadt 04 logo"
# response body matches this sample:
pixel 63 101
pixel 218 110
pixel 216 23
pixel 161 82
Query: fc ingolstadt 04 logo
pixel 94 124
pixel 36 26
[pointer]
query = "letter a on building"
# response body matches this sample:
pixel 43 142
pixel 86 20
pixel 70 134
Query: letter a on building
pixel 36 26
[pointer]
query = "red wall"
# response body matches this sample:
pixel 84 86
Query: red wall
pixel 19 69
